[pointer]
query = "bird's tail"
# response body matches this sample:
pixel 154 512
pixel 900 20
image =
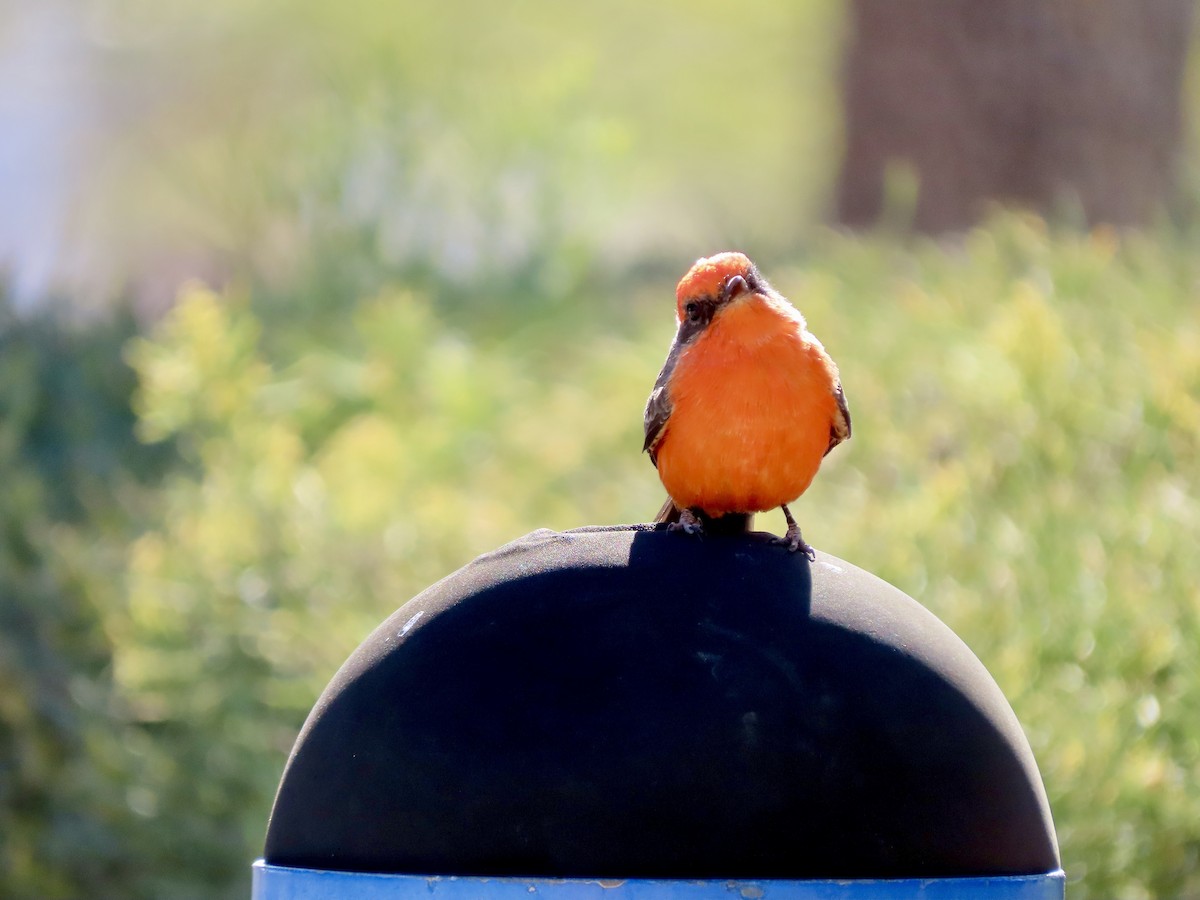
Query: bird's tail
pixel 668 514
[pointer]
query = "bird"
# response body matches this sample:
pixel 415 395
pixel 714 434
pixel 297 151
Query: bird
pixel 747 404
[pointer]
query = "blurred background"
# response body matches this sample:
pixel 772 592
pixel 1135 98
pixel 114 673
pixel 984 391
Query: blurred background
pixel 304 305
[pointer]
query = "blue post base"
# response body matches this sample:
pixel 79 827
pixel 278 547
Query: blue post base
pixel 284 883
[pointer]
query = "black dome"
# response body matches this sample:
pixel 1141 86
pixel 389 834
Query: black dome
pixel 630 703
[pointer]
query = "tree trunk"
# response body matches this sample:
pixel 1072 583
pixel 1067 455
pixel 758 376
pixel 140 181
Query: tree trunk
pixel 1038 102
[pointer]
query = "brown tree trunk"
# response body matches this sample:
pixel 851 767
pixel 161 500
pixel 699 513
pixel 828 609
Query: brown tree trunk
pixel 1038 102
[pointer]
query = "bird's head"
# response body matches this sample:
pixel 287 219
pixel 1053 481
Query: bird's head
pixel 713 283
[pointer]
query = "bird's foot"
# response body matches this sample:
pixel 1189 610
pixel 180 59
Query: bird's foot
pixel 793 540
pixel 689 523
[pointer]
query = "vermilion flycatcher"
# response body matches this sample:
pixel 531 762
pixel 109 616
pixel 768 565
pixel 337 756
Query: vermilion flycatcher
pixel 747 404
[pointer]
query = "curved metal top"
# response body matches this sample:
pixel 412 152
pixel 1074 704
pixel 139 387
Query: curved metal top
pixel 624 700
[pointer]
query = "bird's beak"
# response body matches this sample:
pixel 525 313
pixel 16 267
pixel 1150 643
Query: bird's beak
pixel 734 287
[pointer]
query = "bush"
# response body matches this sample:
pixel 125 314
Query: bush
pixel 1026 438
pixel 73 476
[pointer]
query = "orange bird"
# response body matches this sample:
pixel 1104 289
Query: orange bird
pixel 747 404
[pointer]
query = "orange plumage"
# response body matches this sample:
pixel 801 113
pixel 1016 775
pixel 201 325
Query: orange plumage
pixel 748 402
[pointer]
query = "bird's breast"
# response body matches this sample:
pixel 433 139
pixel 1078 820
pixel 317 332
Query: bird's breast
pixel 752 404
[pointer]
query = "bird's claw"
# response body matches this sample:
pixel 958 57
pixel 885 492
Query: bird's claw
pixel 794 542
pixel 689 523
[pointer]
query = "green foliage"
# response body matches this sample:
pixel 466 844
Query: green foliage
pixel 1024 463
pixel 460 142
pixel 454 235
pixel 1025 454
pixel 1026 437
pixel 67 826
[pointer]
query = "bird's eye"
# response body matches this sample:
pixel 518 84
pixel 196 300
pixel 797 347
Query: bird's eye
pixel 693 311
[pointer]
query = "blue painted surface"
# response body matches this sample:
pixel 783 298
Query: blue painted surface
pixel 282 883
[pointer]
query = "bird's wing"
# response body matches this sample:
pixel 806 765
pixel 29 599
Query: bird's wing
pixel 700 313
pixel 839 428
pixel 659 406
